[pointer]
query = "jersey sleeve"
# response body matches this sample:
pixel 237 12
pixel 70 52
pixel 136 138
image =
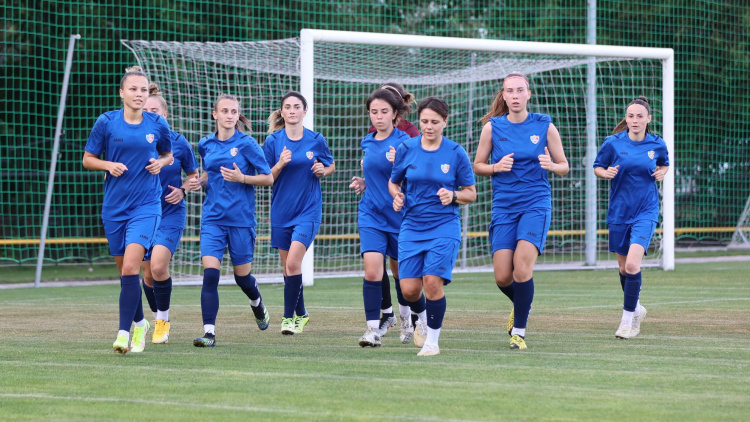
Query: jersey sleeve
pixel 255 155
pixel 202 153
pixel 98 137
pixel 604 156
pixel 164 144
pixel 399 165
pixel 269 151
pixel 464 171
pixel 188 161
pixel 663 158
pixel 325 156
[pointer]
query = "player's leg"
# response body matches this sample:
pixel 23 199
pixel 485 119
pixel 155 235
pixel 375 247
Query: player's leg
pixel 440 258
pixel 241 251
pixel 213 241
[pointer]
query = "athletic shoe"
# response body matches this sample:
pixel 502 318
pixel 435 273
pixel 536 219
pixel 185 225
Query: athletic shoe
pixel 511 320
pixel 287 326
pixel 407 331
pixel 420 333
pixel 624 330
pixel 208 340
pixel 121 344
pixel 429 350
pixel 161 332
pixel 300 322
pixel 517 342
pixel 138 342
pixel 261 315
pixel 370 338
pixel 635 329
pixel 386 321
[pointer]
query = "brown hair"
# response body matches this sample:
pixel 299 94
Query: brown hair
pixel 393 99
pixel 499 107
pixel 275 120
pixel 435 104
pixel 153 91
pixel 132 71
pixel 623 123
pixel 397 88
pixel 242 119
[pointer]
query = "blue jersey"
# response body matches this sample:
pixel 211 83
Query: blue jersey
pixel 421 174
pixel 526 185
pixel 376 206
pixel 633 194
pixel 173 215
pixel 296 195
pixel 136 191
pixel 230 204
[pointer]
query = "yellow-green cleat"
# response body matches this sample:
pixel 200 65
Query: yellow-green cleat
pixel 287 326
pixel 121 344
pixel 138 342
pixel 300 322
pixel 517 342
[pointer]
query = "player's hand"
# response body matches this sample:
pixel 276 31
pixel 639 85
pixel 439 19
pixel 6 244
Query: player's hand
pixel 117 169
pixel 391 154
pixel 446 196
pixel 504 165
pixel 232 175
pixel 154 167
pixel 194 183
pixel 285 157
pixel 660 172
pixel 318 168
pixel 174 197
pixel 398 201
pixel 545 161
pixel 611 172
pixel 358 185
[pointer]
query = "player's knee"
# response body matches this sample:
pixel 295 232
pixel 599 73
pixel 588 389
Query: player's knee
pixel 632 267
pixel 373 274
pixel 159 271
pixel 504 279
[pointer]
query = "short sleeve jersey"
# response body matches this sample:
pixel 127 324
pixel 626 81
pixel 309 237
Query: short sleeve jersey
pixel 376 206
pixel 136 191
pixel 421 174
pixel 296 196
pixel 173 215
pixel 633 193
pixel 526 186
pixel 230 203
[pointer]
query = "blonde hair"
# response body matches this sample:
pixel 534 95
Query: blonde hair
pixel 499 107
pixel 153 91
pixel 242 118
pixel 132 71
pixel 275 119
pixel 623 123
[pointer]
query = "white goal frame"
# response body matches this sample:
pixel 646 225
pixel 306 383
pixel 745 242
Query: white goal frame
pixel 309 37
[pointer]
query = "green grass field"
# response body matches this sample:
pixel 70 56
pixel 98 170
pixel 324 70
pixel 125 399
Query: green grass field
pixel 691 362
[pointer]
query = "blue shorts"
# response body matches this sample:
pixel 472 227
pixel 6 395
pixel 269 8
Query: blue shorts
pixel 139 229
pixel 282 237
pixel 168 237
pixel 428 257
pixel 621 236
pixel 374 240
pixel 241 242
pixel 531 225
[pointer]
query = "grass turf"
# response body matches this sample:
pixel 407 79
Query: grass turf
pixel 690 363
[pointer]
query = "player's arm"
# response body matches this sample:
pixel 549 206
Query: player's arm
pixel 554 159
pixel 93 162
pixel 482 167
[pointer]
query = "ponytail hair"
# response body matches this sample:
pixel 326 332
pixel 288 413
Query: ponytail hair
pixel 499 107
pixel 275 119
pixel 244 120
pixel 153 91
pixel 623 125
pixel 398 89
pixel 132 71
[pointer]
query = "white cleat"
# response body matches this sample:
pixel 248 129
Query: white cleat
pixel 635 329
pixel 624 330
pixel 429 350
pixel 420 333
pixel 407 331
pixel 370 338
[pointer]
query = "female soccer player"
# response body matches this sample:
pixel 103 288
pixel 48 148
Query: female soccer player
pixel 633 159
pixel 136 145
pixel 435 174
pixel 521 148
pixel 378 223
pixel 233 165
pixel 408 99
pixel 299 158
pixel 173 213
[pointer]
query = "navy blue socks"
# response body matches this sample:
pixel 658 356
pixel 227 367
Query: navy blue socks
pixel 149 292
pixel 130 298
pixel 523 296
pixel 371 294
pixel 632 291
pixel 435 312
pixel 162 292
pixel 249 286
pixel 292 293
pixel 509 290
pixel 419 305
pixel 210 295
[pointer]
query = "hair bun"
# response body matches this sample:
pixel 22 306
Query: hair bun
pixel 133 69
pixel 642 98
pixel 153 90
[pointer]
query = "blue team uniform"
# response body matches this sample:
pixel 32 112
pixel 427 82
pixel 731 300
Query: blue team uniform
pixel 132 207
pixel 378 223
pixel 296 198
pixel 430 231
pixel 521 198
pixel 173 215
pixel 229 207
pixel 633 196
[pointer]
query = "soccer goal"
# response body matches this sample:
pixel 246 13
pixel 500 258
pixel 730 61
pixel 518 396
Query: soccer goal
pixel 741 236
pixel 585 89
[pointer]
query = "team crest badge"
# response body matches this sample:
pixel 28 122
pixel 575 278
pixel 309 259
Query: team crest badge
pixel 150 138
pixel 309 155
pixel 651 155
pixel 233 151
pixel 534 139
pixel 445 167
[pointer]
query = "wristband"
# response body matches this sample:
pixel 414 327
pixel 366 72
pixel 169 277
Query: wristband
pixel 184 193
pixel 455 198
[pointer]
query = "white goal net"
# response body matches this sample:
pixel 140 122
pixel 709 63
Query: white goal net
pixel 192 74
